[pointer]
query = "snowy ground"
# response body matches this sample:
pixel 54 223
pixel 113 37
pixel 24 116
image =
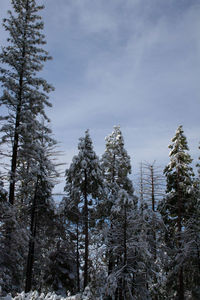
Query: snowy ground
pixel 36 296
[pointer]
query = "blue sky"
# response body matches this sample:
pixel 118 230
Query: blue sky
pixel 133 63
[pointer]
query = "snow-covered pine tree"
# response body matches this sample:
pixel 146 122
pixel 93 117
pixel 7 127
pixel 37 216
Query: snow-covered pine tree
pixel 191 240
pixel 24 94
pixel 59 271
pixel 37 174
pixel 70 208
pixel 116 165
pixel 84 185
pixel 176 209
pixel 11 258
pixel 119 207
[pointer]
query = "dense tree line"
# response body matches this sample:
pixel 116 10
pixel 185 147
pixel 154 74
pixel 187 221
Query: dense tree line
pixel 104 240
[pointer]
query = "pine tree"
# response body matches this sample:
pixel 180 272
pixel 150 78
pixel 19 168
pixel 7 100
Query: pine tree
pixel 11 257
pixel 191 239
pixel 70 208
pixel 37 178
pixel 116 164
pixel 59 270
pixel 84 185
pixel 24 94
pixel 119 207
pixel 176 208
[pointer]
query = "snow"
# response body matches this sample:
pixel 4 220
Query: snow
pixel 35 295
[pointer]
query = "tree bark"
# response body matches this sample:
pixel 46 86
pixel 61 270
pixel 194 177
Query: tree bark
pixel 77 258
pixel 111 262
pixel 180 275
pixel 31 252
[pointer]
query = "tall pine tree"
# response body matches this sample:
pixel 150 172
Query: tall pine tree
pixel 84 185
pixel 119 204
pixel 24 93
pixel 176 209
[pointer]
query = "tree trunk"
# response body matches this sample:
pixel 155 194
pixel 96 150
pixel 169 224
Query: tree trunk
pixel 180 275
pixel 125 236
pixel 14 157
pixel 31 252
pixel 181 285
pixel 110 254
pixel 153 209
pixel 125 250
pixel 111 262
pixel 77 258
pixel 86 233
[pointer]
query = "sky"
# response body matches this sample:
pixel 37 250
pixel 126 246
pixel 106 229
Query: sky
pixel 133 63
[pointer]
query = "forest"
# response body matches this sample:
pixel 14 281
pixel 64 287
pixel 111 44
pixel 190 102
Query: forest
pixel 103 240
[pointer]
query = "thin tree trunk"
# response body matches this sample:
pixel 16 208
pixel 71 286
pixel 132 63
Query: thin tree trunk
pixel 14 156
pixel 111 262
pixel 181 285
pixel 77 258
pixel 141 189
pixel 120 296
pixel 125 236
pixel 125 250
pixel 86 233
pixel 110 253
pixel 153 209
pixel 180 275
pixel 31 252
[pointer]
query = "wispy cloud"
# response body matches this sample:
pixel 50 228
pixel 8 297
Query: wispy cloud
pixel 135 63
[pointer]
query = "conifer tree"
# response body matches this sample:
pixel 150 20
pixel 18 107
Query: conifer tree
pixel 70 208
pixel 84 185
pixel 191 253
pixel 24 93
pixel 59 270
pixel 11 258
pixel 120 203
pixel 176 208
pixel 37 181
pixel 116 164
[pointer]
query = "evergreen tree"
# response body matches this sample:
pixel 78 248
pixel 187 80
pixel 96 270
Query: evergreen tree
pixel 59 271
pixel 118 210
pixel 37 173
pixel 11 257
pixel 70 207
pixel 24 94
pixel 116 165
pixel 176 209
pixel 84 185
pixel 191 253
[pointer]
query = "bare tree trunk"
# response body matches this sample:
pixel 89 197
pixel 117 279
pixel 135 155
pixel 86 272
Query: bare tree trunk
pixel 141 188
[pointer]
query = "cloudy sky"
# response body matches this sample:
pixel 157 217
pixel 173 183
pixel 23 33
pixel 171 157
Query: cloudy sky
pixel 133 63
